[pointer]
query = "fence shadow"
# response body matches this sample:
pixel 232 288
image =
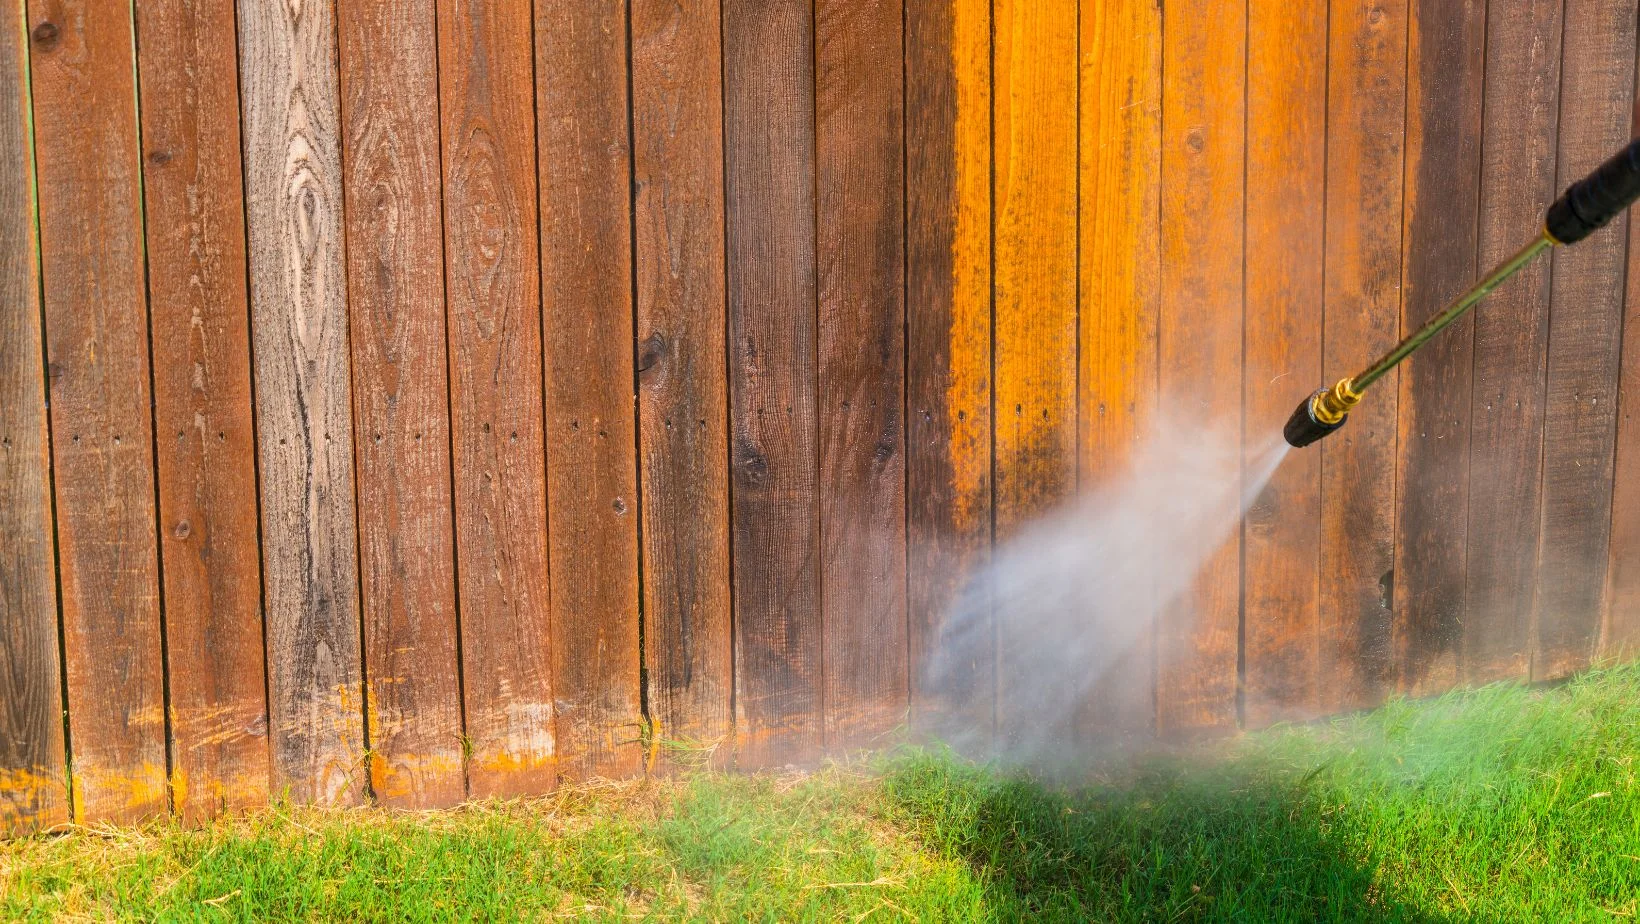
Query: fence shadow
pixel 1155 847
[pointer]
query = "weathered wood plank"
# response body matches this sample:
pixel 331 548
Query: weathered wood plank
pixel 677 151
pixel 1034 112
pixel 1586 332
pixel 194 197
pixel 96 318
pixel 860 186
pixel 1366 122
pixel 395 261
pixel 486 94
pixel 33 794
pixel 1620 623
pixel 1120 273
pixel 768 55
pixel 948 356
pixel 1286 223
pixel 1445 71
pixel 1511 330
pixel 586 290
pixel 293 182
pixel 1200 334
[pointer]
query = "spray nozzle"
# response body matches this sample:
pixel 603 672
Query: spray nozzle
pixel 1321 413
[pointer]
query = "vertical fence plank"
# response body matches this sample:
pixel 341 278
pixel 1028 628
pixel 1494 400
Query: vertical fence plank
pixel 1620 623
pixel 395 263
pixel 1036 344
pixel 1118 216
pixel 860 184
pixel 102 448
pixel 194 197
pixel 948 346
pixel 768 121
pixel 293 178
pixel 586 289
pixel 1586 331
pixel 486 93
pixel 1200 332
pixel 1286 225
pixel 1522 85
pixel 677 150
pixel 32 772
pixel 1444 76
pixel 1366 120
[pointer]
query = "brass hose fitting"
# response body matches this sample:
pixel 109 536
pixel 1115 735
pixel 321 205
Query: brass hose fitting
pixel 1330 406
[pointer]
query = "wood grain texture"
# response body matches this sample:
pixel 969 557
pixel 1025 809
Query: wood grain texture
pixel 683 413
pixel 194 197
pixel 1035 301
pixel 948 352
pixel 33 794
pixel 860 185
pixel 486 96
pixel 1511 329
pixel 293 181
pixel 768 123
pixel 1620 623
pixel 96 317
pixel 1586 331
pixel 1445 69
pixel 1200 333
pixel 395 260
pixel 1286 224
pixel 1366 122
pixel 1120 272
pixel 586 290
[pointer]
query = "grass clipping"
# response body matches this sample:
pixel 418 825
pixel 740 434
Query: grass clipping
pixel 1502 804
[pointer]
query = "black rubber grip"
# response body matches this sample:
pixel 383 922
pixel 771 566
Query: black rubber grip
pixel 1591 202
pixel 1303 429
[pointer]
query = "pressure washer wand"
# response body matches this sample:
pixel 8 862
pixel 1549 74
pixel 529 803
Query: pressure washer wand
pixel 1584 208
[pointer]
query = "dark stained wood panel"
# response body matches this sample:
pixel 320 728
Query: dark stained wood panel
pixel 194 197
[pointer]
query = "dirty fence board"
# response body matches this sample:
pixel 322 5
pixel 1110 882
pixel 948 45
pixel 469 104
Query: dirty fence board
pixel 1506 416
pixel 293 181
pixel 1620 625
pixel 677 151
pixel 1035 309
pixel 586 292
pixel 948 353
pixel 32 775
pixel 768 54
pixel 486 102
pixel 194 197
pixel 1586 328
pixel 860 144
pixel 1366 118
pixel 396 305
pixel 1200 335
pixel 1286 192
pixel 1444 77
pixel 1120 78
pixel 97 349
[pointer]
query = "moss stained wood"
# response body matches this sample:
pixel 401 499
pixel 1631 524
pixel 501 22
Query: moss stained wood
pixel 195 207
pixel 96 330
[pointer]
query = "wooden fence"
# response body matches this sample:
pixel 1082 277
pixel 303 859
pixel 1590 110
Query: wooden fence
pixel 423 399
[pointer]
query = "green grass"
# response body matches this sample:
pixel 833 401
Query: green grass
pixel 1505 804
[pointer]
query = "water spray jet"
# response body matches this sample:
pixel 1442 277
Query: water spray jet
pixel 1586 207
